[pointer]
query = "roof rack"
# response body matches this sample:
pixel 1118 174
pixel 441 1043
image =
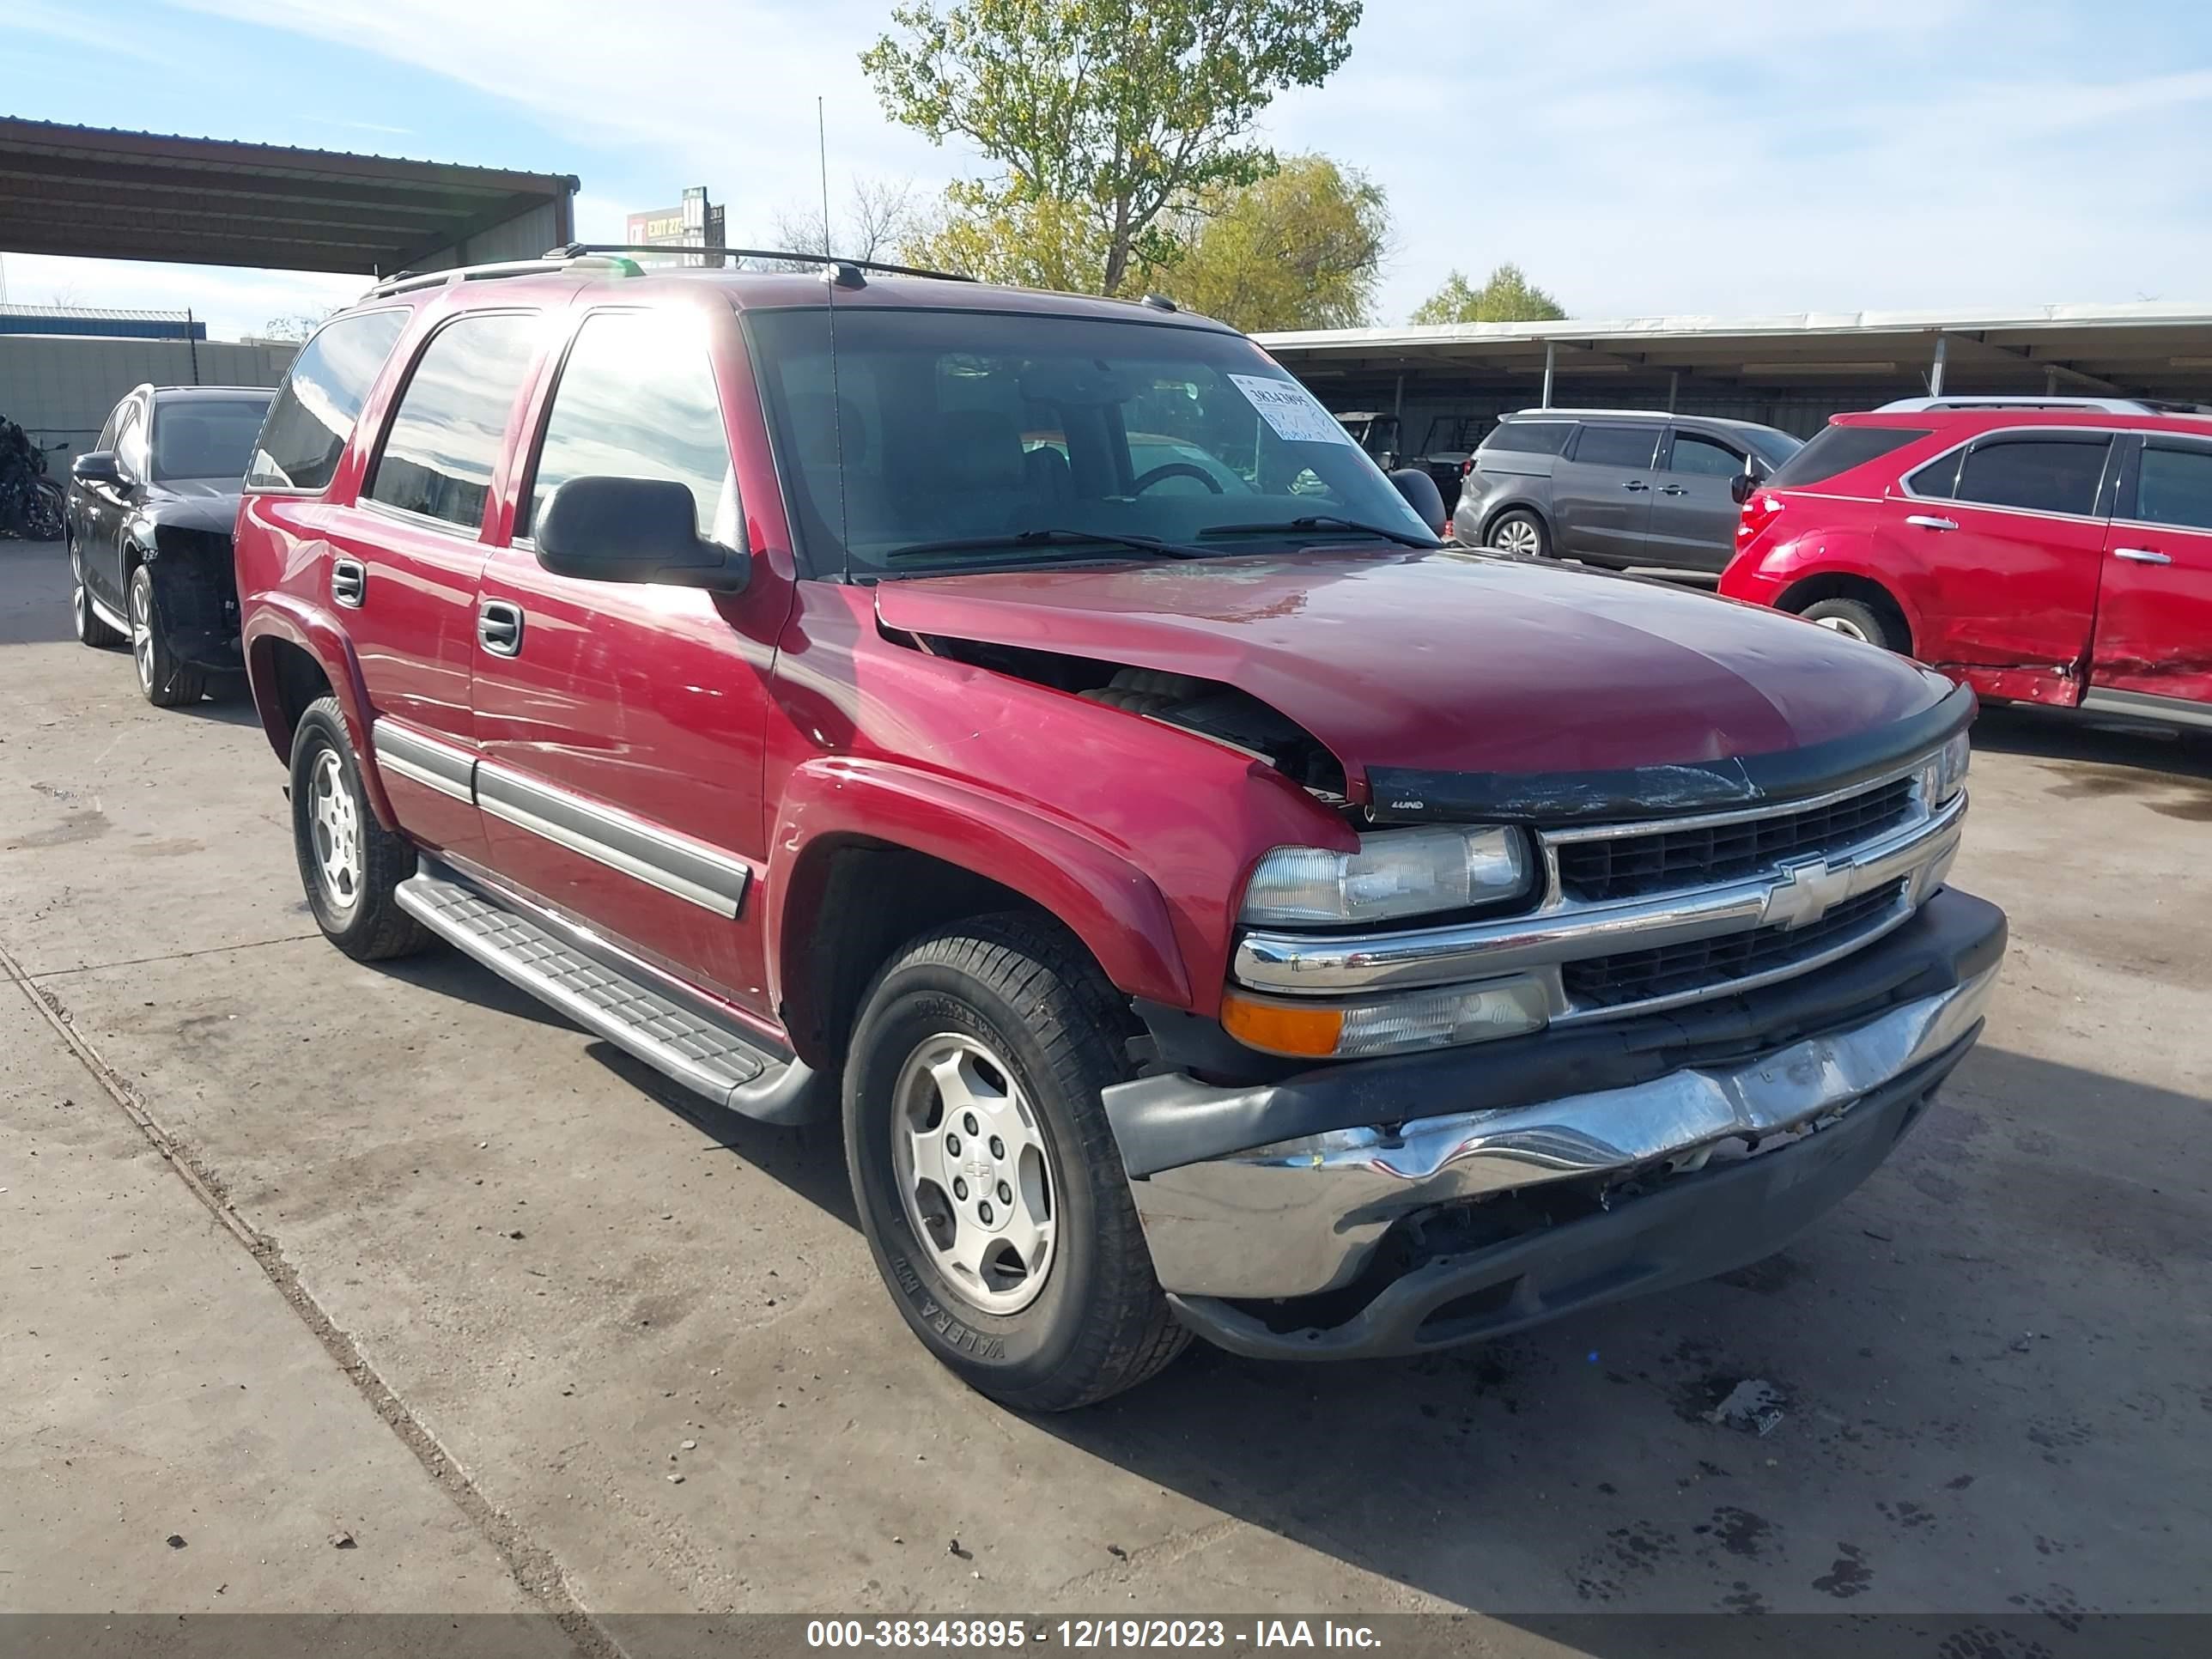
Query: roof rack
pixel 836 260
pixel 406 282
pixel 1930 405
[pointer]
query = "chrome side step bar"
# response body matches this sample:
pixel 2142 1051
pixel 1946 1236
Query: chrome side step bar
pixel 705 1055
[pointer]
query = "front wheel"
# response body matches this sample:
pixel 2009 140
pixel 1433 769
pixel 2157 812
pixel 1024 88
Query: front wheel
pixel 164 680
pixel 986 1175
pixel 350 864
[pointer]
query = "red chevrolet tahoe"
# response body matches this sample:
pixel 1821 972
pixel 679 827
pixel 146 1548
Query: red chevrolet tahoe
pixel 2042 551
pixel 1031 726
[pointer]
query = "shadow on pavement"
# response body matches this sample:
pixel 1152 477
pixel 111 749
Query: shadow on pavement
pixel 2061 734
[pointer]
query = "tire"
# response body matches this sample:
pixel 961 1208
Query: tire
pixel 1519 533
pixel 163 679
pixel 1857 619
pixel 333 830
pixel 90 630
pixel 1026 1025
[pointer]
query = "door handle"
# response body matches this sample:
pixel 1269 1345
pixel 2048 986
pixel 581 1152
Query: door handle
pixel 1673 489
pixel 1926 521
pixel 1636 483
pixel 2141 556
pixel 499 626
pixel 349 582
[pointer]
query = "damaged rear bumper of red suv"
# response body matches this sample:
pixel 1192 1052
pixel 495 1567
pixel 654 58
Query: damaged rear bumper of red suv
pixel 1396 1206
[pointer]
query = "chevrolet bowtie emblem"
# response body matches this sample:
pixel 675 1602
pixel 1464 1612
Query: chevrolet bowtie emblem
pixel 1806 892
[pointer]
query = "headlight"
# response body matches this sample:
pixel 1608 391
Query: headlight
pixel 1395 872
pixel 1943 774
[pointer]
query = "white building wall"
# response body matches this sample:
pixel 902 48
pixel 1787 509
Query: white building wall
pixel 59 388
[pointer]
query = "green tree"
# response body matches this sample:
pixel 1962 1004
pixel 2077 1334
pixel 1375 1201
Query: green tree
pixel 1299 248
pixel 1111 114
pixel 1508 297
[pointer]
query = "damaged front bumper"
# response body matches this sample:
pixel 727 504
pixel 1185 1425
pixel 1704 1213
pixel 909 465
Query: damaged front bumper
pixel 1402 1228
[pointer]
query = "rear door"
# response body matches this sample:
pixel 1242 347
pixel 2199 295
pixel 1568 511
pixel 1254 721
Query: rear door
pixel 405 560
pixel 1694 516
pixel 2007 534
pixel 2154 633
pixel 1602 492
pixel 621 723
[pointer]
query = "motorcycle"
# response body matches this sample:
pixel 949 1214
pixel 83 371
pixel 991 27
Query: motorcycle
pixel 31 503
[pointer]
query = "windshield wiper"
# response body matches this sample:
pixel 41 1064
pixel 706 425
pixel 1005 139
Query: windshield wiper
pixel 1046 538
pixel 1324 521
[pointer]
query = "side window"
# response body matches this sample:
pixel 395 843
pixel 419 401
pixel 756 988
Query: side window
pixel 2048 475
pixel 1938 479
pixel 636 400
pixel 108 433
pixel 1703 456
pixel 130 442
pixel 1529 437
pixel 315 409
pixel 2175 487
pixel 1617 445
pixel 445 436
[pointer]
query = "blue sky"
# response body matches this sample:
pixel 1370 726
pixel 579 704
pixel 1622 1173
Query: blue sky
pixel 1636 158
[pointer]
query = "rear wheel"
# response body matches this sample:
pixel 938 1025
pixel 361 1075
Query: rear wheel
pixel 90 630
pixel 986 1174
pixel 1522 534
pixel 350 864
pixel 1857 620
pixel 165 681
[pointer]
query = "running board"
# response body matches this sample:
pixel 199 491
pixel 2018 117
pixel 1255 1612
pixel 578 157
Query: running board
pixel 705 1054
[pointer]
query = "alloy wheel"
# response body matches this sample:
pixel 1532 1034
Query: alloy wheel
pixel 142 635
pixel 973 1172
pixel 1517 536
pixel 335 822
pixel 1846 627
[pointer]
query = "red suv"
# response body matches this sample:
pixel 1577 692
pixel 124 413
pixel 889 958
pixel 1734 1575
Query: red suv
pixel 1032 727
pixel 2047 552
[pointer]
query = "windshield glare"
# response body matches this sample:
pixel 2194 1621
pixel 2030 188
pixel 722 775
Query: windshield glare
pixel 206 437
pixel 976 426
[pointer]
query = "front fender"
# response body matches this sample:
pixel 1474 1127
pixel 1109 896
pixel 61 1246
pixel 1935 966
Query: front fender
pixel 1105 901
pixel 281 617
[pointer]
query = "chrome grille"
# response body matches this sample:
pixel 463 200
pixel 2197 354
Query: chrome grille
pixel 1709 965
pixel 1661 861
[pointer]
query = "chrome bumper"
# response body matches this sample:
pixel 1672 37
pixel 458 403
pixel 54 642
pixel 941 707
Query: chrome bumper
pixel 1302 1216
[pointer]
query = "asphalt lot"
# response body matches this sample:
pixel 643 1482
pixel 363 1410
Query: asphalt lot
pixel 487 1287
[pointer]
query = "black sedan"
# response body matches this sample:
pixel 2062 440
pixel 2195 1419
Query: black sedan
pixel 149 520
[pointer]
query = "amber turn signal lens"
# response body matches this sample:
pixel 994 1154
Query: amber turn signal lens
pixel 1277 1029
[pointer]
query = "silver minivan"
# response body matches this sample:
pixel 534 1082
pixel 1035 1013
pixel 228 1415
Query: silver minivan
pixel 1615 487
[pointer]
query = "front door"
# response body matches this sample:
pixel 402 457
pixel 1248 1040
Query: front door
pixel 2006 537
pixel 1601 492
pixel 107 508
pixel 2154 607
pixel 1694 516
pixel 404 561
pixel 621 723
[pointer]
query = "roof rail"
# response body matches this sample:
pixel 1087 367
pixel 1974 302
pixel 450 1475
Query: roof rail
pixel 405 282
pixel 572 250
pixel 1929 405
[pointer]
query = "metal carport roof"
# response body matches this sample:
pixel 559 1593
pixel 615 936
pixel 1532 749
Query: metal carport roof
pixel 95 192
pixel 2150 350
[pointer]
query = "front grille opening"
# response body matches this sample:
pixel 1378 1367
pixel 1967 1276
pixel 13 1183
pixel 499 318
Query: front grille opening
pixel 1709 963
pixel 1634 866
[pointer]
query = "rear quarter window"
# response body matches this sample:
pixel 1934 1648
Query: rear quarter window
pixel 1528 438
pixel 1836 450
pixel 313 413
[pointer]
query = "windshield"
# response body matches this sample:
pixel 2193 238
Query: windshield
pixel 961 430
pixel 206 437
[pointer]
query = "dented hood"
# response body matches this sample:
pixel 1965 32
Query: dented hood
pixel 1451 662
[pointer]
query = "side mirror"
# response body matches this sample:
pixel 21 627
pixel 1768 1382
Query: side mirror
pixel 634 530
pixel 1742 486
pixel 96 467
pixel 1422 495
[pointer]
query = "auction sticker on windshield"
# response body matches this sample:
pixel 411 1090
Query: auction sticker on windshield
pixel 1291 411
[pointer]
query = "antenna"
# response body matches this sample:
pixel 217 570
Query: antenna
pixel 832 275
